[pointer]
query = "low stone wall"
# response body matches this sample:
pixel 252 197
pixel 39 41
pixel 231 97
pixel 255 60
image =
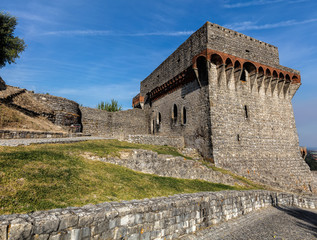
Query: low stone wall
pixel 8 134
pixel 113 124
pixel 168 166
pixel 177 142
pixel 166 217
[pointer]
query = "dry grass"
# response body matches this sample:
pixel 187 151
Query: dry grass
pixel 11 119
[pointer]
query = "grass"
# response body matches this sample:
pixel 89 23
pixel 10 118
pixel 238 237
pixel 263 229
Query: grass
pixel 250 184
pixel 40 177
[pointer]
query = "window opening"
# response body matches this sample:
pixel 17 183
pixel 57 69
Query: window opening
pixel 246 111
pixel 159 118
pixel 175 113
pixel 238 138
pixel 184 116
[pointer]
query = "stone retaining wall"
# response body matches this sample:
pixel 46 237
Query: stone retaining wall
pixel 177 142
pixel 168 166
pixel 158 218
pixel 8 134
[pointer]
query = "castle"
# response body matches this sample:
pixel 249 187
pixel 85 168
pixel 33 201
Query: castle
pixel 227 95
pixel 224 94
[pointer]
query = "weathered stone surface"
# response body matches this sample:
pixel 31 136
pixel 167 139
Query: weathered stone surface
pixel 167 217
pixel 167 166
pixel 113 124
pixel 227 95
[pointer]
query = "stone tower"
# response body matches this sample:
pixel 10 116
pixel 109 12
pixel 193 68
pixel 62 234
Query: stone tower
pixel 227 95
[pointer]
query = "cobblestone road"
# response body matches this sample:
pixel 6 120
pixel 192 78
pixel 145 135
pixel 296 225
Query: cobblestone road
pixel 28 141
pixel 271 223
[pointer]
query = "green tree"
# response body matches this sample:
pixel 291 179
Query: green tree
pixel 110 107
pixel 10 46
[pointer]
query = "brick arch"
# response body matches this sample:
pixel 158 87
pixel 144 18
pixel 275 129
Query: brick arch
pixel 268 72
pixel 237 64
pixel 216 59
pixel 250 67
pixel 229 63
pixel 261 71
pixel 281 75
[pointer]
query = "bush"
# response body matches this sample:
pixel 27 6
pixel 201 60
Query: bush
pixel 110 107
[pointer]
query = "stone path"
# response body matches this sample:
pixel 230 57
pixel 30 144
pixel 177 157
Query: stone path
pixel 28 141
pixel 272 223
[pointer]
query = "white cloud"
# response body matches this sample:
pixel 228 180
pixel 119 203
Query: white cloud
pixel 110 33
pixel 259 2
pixel 248 25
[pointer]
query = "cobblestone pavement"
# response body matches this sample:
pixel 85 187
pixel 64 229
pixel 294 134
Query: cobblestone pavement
pixel 28 141
pixel 271 223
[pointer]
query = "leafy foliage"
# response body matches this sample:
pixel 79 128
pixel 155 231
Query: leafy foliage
pixel 312 163
pixel 11 46
pixel 110 107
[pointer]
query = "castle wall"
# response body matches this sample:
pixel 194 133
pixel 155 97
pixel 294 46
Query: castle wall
pixel 179 60
pixel 66 111
pixel 196 130
pixel 237 44
pixel 113 124
pixel 262 145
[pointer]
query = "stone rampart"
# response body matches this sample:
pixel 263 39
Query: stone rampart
pixel 177 142
pixel 229 41
pixel 66 111
pixel 165 217
pixel 113 124
pixel 8 134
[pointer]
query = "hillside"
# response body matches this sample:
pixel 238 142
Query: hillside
pixel 48 176
pixel 12 119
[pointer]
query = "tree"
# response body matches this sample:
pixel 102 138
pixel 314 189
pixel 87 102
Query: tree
pixel 10 46
pixel 110 107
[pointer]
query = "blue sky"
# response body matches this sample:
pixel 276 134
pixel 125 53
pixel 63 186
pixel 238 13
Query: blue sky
pixel 96 50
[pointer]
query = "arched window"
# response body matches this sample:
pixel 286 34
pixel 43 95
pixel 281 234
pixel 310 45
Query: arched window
pixel 184 116
pixel 174 116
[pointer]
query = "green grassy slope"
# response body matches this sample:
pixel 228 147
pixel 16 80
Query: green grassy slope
pixel 40 177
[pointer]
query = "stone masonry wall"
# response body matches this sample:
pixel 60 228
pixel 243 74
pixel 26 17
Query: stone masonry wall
pixel 262 145
pixel 237 44
pixel 66 111
pixel 164 218
pixel 177 142
pixel 8 134
pixel 168 166
pixel 113 124
pixel 196 131
pixel 179 60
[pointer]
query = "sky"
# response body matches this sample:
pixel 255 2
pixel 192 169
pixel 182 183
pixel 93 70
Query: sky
pixel 98 50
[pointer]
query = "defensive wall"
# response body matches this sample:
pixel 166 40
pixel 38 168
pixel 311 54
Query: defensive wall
pixel 66 112
pixel 113 124
pixel 165 217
